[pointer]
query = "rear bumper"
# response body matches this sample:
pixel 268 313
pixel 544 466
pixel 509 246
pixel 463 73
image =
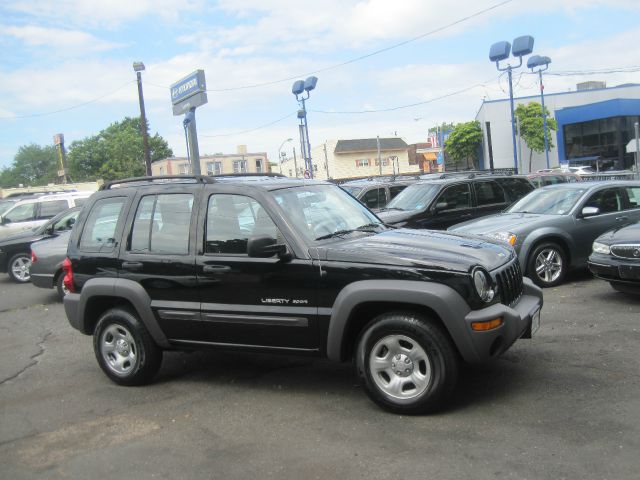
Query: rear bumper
pixel 42 280
pixel 71 308
pixel 516 324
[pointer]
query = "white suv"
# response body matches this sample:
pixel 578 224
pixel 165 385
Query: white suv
pixel 26 214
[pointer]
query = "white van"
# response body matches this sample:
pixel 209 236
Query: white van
pixel 26 214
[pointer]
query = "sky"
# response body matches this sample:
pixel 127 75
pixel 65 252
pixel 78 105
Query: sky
pixel 384 67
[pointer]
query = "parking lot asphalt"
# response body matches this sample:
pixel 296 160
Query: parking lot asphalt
pixel 564 405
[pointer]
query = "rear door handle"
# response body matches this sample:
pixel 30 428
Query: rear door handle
pixel 132 266
pixel 216 269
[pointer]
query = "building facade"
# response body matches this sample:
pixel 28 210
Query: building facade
pixel 218 164
pixel 358 158
pixel 594 125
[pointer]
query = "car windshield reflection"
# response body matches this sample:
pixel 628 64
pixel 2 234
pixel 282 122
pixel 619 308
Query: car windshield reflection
pixel 557 201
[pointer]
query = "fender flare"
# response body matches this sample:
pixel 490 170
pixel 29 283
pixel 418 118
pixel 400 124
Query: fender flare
pixel 542 235
pixel 128 290
pixel 448 304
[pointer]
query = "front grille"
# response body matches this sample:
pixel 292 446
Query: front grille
pixel 626 251
pixel 509 281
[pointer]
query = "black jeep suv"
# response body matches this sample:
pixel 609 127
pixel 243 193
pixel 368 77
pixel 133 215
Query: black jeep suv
pixel 297 267
pixel 454 198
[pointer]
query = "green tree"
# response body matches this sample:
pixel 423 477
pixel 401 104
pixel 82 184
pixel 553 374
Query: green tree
pixel 532 127
pixel 115 152
pixel 443 127
pixel 462 144
pixel 32 165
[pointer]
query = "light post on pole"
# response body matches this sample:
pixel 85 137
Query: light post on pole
pixel 541 63
pixel 280 154
pixel 139 67
pixel 298 89
pixel 500 51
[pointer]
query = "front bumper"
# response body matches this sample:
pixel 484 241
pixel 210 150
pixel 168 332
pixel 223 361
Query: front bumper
pixel 614 269
pixel 516 324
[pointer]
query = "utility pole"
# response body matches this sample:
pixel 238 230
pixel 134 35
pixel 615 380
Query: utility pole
pixel 295 161
pixel 637 131
pixel 326 160
pixel 138 67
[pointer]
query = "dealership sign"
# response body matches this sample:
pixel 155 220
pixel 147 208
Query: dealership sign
pixel 189 92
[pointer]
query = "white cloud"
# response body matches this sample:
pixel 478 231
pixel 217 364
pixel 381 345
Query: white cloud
pixel 65 42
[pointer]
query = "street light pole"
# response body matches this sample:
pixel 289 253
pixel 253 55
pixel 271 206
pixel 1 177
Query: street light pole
pixel 298 89
pixel 138 67
pixel 500 51
pixel 543 63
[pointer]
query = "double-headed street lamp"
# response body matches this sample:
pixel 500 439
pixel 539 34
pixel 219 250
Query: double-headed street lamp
pixel 298 89
pixel 500 51
pixel 280 154
pixel 139 67
pixel 541 63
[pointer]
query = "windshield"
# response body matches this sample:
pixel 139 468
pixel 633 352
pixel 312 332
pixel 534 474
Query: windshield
pixel 6 205
pixel 321 210
pixel 414 197
pixel 549 201
pixel 352 190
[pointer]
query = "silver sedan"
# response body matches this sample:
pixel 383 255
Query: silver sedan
pixel 552 228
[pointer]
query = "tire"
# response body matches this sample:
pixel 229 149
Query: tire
pixel 61 289
pixel 426 353
pixel 547 265
pixel 625 288
pixel 18 268
pixel 124 349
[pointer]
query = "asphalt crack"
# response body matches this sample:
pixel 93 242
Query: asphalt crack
pixel 34 359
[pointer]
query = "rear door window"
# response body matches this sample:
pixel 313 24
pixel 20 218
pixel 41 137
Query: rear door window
pixel 395 190
pixel 489 193
pixel 517 188
pixel 98 234
pixel 456 197
pixel 52 208
pixel 375 198
pixel 633 194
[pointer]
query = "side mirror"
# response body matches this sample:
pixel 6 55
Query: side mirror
pixel 590 211
pixel 440 206
pixel 264 246
pixel 50 230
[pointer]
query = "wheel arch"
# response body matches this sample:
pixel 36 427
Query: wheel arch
pixel 358 303
pixel 551 236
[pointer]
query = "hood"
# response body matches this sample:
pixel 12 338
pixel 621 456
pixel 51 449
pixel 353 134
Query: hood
pixel 502 222
pixel 433 249
pixel 22 236
pixel 628 234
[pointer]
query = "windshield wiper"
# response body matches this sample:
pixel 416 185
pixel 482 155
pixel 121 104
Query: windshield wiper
pixel 369 227
pixel 391 208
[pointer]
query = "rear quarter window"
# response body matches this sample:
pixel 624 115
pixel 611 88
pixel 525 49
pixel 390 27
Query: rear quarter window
pixel 517 188
pixel 98 234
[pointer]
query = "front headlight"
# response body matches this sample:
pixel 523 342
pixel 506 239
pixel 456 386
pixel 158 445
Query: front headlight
pixel 601 248
pixel 482 284
pixel 506 237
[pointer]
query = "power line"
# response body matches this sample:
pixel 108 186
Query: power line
pixel 252 129
pixel 362 57
pixel 601 71
pixel 32 115
pixel 400 107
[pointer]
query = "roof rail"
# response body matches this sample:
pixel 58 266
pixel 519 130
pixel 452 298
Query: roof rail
pixel 250 175
pixel 160 179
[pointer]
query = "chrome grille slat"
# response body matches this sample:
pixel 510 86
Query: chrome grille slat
pixel 631 250
pixel 510 283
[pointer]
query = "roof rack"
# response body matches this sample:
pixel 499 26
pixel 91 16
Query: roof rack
pixel 251 174
pixel 159 179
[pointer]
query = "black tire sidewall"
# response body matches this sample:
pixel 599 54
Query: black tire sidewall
pixel 10 269
pixel 531 265
pixel 149 354
pixel 435 342
pixel 60 286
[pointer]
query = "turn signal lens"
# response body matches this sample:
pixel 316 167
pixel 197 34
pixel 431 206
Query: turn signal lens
pixel 486 325
pixel 68 275
pixel 34 259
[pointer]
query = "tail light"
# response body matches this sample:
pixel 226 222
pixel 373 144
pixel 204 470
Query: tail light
pixel 34 259
pixel 68 275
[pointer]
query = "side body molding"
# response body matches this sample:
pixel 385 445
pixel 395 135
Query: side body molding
pixel 443 300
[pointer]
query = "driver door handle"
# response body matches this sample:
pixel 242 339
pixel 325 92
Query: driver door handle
pixel 132 266
pixel 216 269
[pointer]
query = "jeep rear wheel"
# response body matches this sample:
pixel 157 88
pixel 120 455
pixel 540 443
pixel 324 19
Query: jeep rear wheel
pixel 406 363
pixel 124 349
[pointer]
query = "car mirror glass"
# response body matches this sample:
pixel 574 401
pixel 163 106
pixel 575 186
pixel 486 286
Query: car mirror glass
pixel 264 246
pixel 440 206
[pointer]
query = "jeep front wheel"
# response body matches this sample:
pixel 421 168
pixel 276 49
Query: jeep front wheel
pixel 124 349
pixel 407 363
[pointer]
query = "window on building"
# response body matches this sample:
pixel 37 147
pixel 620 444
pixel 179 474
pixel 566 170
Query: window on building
pixel 385 162
pixel 214 168
pixel 259 164
pixel 184 169
pixel 161 170
pixel 239 166
pixel 363 162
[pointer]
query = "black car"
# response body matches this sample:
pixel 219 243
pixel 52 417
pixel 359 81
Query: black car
pixel 15 250
pixel 441 203
pixel 616 258
pixel 375 194
pixel 271 264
